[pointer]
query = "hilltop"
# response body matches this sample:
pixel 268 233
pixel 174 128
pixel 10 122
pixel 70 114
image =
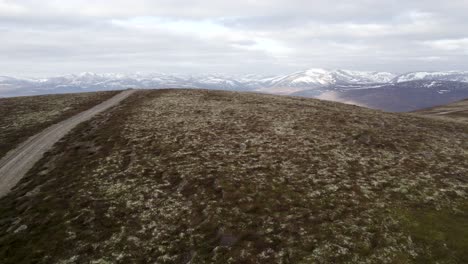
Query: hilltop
pixel 198 176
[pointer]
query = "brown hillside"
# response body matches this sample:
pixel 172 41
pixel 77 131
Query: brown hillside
pixel 195 176
pixel 22 117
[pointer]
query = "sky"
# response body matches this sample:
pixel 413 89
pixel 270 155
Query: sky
pixel 53 37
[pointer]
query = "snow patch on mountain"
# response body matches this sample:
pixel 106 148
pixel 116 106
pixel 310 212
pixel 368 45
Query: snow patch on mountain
pixel 321 77
pixel 454 76
pixel 315 81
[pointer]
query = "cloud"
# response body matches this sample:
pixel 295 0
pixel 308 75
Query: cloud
pixel 449 44
pixel 265 36
pixel 10 8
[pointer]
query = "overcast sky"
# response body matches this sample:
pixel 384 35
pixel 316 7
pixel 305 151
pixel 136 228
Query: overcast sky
pixel 50 37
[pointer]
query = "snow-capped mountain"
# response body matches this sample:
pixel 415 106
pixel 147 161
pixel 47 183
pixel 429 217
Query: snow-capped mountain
pixel 453 76
pixel 10 86
pixel 321 77
pixel 386 90
pixel 318 78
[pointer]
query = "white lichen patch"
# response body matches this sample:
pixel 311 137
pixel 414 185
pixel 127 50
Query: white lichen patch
pixel 192 176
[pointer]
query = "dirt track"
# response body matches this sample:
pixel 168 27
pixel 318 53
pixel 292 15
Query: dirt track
pixel 20 160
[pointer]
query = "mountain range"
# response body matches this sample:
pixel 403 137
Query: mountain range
pixel 380 90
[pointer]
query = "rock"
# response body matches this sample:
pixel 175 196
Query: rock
pixel 21 228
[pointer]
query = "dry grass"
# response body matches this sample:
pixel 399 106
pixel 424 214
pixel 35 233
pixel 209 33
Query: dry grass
pixel 455 111
pixel 22 117
pixel 192 176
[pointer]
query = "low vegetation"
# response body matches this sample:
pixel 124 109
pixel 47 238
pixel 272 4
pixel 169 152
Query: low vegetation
pixel 194 176
pixel 455 111
pixel 22 117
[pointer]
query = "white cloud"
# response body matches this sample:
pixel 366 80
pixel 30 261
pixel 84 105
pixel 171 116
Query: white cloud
pixel 231 36
pixel 449 44
pixel 207 30
pixel 8 8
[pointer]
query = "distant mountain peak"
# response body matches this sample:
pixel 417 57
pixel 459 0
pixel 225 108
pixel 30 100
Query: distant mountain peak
pixel 317 77
pixel 315 80
pixel 457 76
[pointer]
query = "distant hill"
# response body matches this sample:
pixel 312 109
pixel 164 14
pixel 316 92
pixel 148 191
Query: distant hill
pixel 398 97
pixel 10 86
pixel 404 92
pixel 456 111
pixel 199 176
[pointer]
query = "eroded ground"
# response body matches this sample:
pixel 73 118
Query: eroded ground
pixel 22 117
pixel 190 176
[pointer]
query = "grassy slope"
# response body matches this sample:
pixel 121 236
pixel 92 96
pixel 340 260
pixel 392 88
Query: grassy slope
pixel 218 177
pixel 455 111
pixel 22 117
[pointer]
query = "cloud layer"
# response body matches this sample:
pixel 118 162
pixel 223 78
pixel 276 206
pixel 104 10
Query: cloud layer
pixel 265 36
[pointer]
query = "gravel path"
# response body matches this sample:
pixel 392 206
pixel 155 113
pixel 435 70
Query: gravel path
pixel 20 160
